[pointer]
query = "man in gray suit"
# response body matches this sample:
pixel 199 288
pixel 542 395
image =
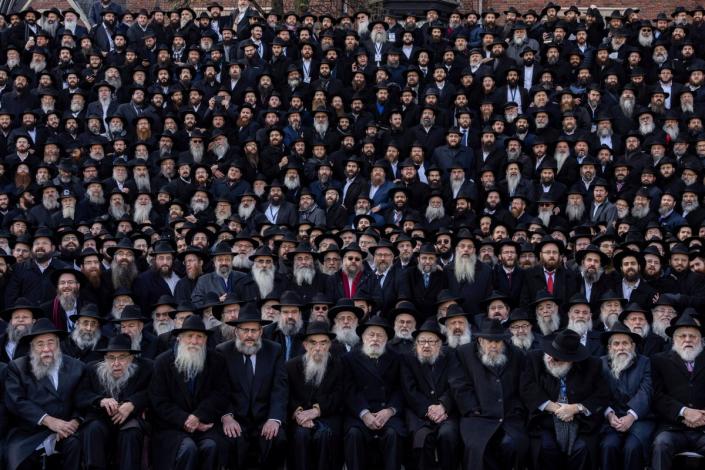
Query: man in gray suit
pixel 626 437
pixel 222 280
pixel 39 393
pixel 602 211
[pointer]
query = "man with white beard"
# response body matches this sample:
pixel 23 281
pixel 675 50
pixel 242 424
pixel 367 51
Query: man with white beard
pixel 580 321
pixel 228 310
pixel 575 206
pixel 162 310
pixel 222 211
pixel 520 326
pixel 546 309
pixel 375 399
pixel 305 278
pixel 222 279
pixel 117 207
pixel 200 205
pixel 315 382
pixel 253 415
pixel 263 279
pixel 42 213
pixel 66 303
pixel 431 417
pixel 247 207
pixel 184 413
pixel 45 421
pixel 563 389
pixel 468 278
pixel 244 246
pixel 625 441
pixel 288 330
pixel 611 305
pixel 142 210
pixel 131 322
pixel 456 326
pixel 679 403
pixel 638 320
pixel 19 318
pixel 113 397
pixel 642 204
pixel 344 317
pixel 663 312
pixel 404 316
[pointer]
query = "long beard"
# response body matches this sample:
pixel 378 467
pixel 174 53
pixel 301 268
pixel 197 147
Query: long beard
pixel 620 361
pixel 646 128
pixel 41 370
pixel 458 340
pixel 687 107
pixel 430 360
pixel 494 359
pixel 68 212
pixel 643 331
pixel 548 326
pixel 242 262
pixel 123 276
pixel 221 215
pixel 575 211
pixel 639 212
pixel 116 82
pixel 116 210
pixel 197 151
pixel 228 332
pixel 264 278
pixel 557 371
pixel 16 332
pixel 646 41
pixel 672 131
pixel 609 319
pixel 245 212
pixel 198 206
pixel 248 350
pixel 304 275
pixel 465 268
pixel 190 363
pixel 591 276
pixel 97 198
pixel 141 214
pixel 373 352
pixel 50 203
pixel 545 217
pixel 435 213
pixel 111 386
pixel 38 66
pixel 688 355
pixel 163 327
pixel 292 183
pixel 379 37
pixel 362 27
pixel 627 106
pixel 289 328
pixel 143 183
pixel 220 150
pixel 523 342
pixel 560 157
pixel 314 371
pixel 580 327
pixel 321 128
pixel 347 336
pixel 659 328
pixel 67 301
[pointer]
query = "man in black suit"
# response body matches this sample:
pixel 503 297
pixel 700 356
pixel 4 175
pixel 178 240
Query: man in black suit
pixel 315 402
pixel 431 413
pixel 387 275
pixel 278 210
pixel 352 279
pixel 374 399
pixel 186 396
pixel 639 320
pixel 113 396
pixel 679 392
pixel 19 318
pixel 549 275
pixel 131 322
pixel 86 338
pixel 508 277
pixel 591 263
pixel 580 321
pixel 422 284
pixel 257 393
pixel 159 280
pixel 40 392
pixel 288 331
pixel 629 266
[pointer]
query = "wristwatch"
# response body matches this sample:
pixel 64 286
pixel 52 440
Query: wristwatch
pixel 581 408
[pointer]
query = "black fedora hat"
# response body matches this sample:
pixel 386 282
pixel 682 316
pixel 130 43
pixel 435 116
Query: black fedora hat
pixel 23 303
pixel 546 240
pixel 520 314
pixel 263 251
pixel 43 326
pixel 383 244
pixel 454 311
pixel 634 307
pixel 119 343
pixel 164 299
pixel 619 328
pixel 491 330
pixel 542 296
pixel 376 321
pixel 495 295
pixel 405 307
pixel 689 318
pixel 192 250
pixel 89 311
pixel 289 298
pixel 345 305
pixel 580 255
pixel 217 306
pixel 319 328
pixel 185 306
pixel 131 313
pixel 56 274
pixel 124 244
pixel 617 259
pixel 565 346
pixel 430 326
pixel 446 296
pixel 249 313
pixel 192 323
pixel 612 295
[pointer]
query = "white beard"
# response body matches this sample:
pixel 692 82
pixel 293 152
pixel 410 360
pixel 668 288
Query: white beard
pixel 264 278
pixel 430 360
pixel 455 341
pixel 687 107
pixel 492 359
pixel 465 268
pixel 627 105
pixel 143 183
pixel 161 328
pixel 190 363
pixel 580 327
pixel 50 203
pixel 38 66
pixel 544 217
pixel 379 37
pixel 112 386
pixel 672 131
pixel 197 206
pixel 373 352
pixel 646 41
pixel 609 320
pixel 85 340
pixel 362 27
pixel 221 150
pixel 560 158
pixel 347 336
pixel 68 212
pixel 548 326
pixel 292 184
pixel 639 212
pixel 141 214
pixel 248 350
pixel 646 128
pixel 557 371
pixel 321 128
pixel 659 328
pixel 315 371
pixel 455 185
pixel 137 342
pixel 197 152
pixel 304 276
pixel 242 261
pixel 523 342
pixel 435 213
pixel 245 212
pixel 512 183
pixel 575 212
pixel 41 370
pixel 688 355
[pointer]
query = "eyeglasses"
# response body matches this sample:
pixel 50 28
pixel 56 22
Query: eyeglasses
pixel 427 342
pixel 320 308
pixel 520 327
pixel 353 258
pixel 250 331
pixel 113 359
pixel 67 283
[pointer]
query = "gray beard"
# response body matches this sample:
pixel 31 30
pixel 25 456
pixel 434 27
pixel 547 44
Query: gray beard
pixel 512 183
pixel 197 152
pixel 690 354
pixel 189 363
pixel 557 371
pixel 292 184
pixel 141 214
pixel 544 217
pixel 228 332
pixel 346 336
pixel 67 301
pixel 659 328
pixel 575 212
pixel 41 370
pixel 245 212
pixel 619 362
pixel 264 278
pixel 492 360
pixel 430 360
pixel 242 261
pixel 221 150
pixel 435 213
pixel 687 107
pixel 321 128
pixel 287 328
pixel 98 199
pixel 197 206
pixel 548 326
pixel 627 106
pixel 50 203
pixel 560 158
pixel 123 276
pixel 523 342
pixel 116 211
pixel 640 212
pixel 161 328
pixel 373 352
pixel 455 341
pixel 85 340
pixel 15 333
pixel 143 183
pixel 580 327
pixel 465 268
pixel 672 131
pixel 304 276
pixel 111 386
pixel 136 342
pixel 248 350
pixel 455 185
pixel 609 320
pixel 591 277
pixel 315 371
pixel 646 128
pixel 68 212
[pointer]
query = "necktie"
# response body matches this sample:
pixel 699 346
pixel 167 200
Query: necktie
pixel 426 279
pixel 249 371
pixel 379 279
pixel 690 365
pixel 549 283
pixel 509 279
pixel 287 340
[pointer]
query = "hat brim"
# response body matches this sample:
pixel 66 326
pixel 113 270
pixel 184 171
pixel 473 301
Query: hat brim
pixel 606 335
pixel 580 354
pixel 178 331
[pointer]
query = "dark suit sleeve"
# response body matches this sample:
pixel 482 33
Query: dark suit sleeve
pixel 664 404
pixel 532 394
pixel 86 397
pixel 140 398
pixel 160 395
pixel 355 400
pixel 16 399
pixel 415 399
pixel 461 384
pixel 641 401
pixel 280 389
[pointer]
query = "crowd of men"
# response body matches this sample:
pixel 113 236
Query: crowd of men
pixel 230 240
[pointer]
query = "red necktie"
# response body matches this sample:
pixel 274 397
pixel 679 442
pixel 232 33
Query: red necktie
pixel 549 283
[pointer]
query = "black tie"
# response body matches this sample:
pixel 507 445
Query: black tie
pixel 249 371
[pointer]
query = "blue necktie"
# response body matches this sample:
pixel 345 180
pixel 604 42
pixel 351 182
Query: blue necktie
pixel 426 279
pixel 288 346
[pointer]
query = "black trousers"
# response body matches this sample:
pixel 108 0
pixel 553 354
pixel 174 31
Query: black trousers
pixel 669 443
pixel 501 453
pixel 270 454
pixel 69 450
pixel 621 450
pixel 102 440
pixel 359 440
pixel 196 453
pixel 551 457
pixel 314 448
pixel 445 439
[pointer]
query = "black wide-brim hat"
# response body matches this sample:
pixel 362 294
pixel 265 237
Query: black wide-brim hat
pixel 565 346
pixel 376 321
pixel 43 326
pixel 192 323
pixel 119 343
pixel 619 328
